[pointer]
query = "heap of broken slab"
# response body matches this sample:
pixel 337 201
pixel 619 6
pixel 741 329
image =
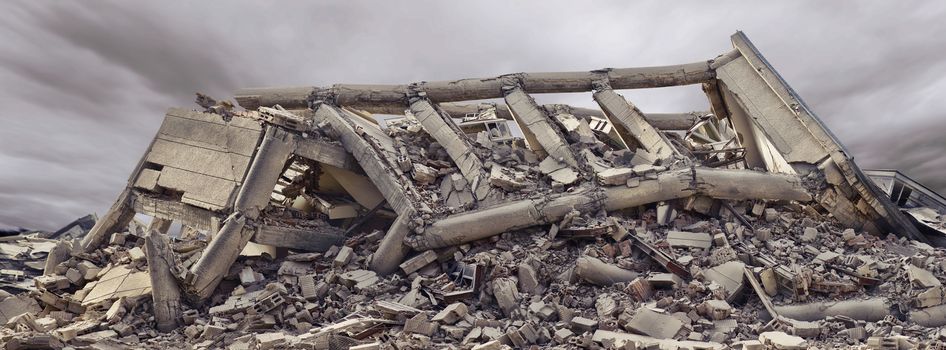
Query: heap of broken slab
pixel 391 217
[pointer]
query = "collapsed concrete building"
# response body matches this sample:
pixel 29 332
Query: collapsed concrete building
pixel 406 216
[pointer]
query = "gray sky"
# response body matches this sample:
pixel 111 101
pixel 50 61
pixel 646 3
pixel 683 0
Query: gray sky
pixel 84 85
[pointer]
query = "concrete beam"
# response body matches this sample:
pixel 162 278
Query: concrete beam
pixel 717 183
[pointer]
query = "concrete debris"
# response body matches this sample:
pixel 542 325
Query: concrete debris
pixel 389 217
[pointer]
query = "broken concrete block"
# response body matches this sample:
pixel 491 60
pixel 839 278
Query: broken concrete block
pixel 810 235
pixel 247 276
pixel 74 276
pixel 272 340
pixel 763 234
pixel 615 176
pixel 581 324
pixel 528 280
pixel 664 280
pixel 689 239
pixel 715 309
pixel 88 270
pixel 782 340
pixel 504 178
pixel 805 329
pixel 136 254
pixel 770 214
pixel 419 261
pixel 640 289
pixel 490 345
pixel 451 314
pixel 562 334
pixel 118 238
pixel 45 324
pixel 424 174
pixel 344 256
pixel 729 275
pixel 922 278
pixel 506 294
pixel 419 325
pixel 930 297
pixel 654 324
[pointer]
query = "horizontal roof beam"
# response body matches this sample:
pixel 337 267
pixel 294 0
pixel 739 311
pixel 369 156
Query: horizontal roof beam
pixel 367 95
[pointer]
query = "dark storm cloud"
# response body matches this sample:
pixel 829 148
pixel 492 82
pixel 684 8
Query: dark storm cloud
pixel 84 85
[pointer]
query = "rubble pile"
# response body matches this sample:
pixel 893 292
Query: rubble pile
pixel 389 217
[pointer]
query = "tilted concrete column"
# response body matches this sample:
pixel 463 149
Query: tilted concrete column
pixel 532 119
pixel 216 259
pixel 268 164
pixel 718 183
pixel 630 121
pixel 165 292
pixel 448 135
pixel 253 197
pixel 117 218
pixel 391 251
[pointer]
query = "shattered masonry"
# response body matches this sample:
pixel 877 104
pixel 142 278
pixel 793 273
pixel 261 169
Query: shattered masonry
pixel 400 217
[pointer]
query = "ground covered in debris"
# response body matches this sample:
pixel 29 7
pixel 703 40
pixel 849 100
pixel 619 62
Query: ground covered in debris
pixel 582 283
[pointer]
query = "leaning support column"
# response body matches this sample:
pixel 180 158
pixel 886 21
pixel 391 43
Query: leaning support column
pixel 118 216
pixel 630 121
pixel 718 183
pixel 448 135
pixel 391 251
pixel 254 196
pixel 216 259
pixel 533 120
pixel 165 292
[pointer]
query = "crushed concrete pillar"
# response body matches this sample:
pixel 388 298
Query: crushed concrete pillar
pixel 391 251
pixel 118 216
pixel 253 197
pixel 718 183
pixel 218 256
pixel 165 292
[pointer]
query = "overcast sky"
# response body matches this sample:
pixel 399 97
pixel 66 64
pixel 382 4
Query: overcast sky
pixel 84 85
